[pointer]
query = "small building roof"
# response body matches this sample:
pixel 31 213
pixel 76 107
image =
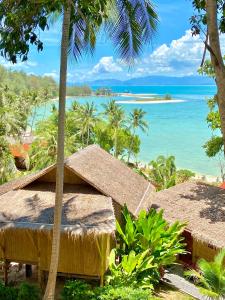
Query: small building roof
pixel 201 205
pixel 84 209
pixel 102 171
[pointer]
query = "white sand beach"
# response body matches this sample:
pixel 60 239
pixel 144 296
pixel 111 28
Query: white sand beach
pixel 149 101
pixel 135 95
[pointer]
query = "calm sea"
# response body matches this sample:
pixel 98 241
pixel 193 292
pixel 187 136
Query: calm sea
pixel 178 129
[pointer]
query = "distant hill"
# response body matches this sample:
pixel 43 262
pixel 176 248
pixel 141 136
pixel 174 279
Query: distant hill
pixel 154 80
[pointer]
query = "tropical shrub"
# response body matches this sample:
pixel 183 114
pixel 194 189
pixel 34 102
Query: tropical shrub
pixel 25 291
pixel 145 246
pixel 163 173
pixel 211 276
pixel 7 292
pixel 123 293
pixel 136 270
pixel 183 175
pixel 77 290
pixel 150 231
pixel 28 292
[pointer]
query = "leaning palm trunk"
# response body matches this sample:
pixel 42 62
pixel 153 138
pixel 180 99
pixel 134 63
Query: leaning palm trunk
pixel 50 289
pixel 217 60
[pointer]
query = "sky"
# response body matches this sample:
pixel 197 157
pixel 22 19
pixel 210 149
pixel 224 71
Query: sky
pixel 172 52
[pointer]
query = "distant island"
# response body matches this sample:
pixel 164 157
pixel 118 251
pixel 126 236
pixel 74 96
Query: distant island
pixel 154 81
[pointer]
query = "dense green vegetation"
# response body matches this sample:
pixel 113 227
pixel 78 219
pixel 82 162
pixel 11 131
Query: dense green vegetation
pixel 85 125
pixel 78 289
pixel 164 174
pixel 18 81
pixel 210 276
pixel 17 114
pixel 83 90
pixel 25 291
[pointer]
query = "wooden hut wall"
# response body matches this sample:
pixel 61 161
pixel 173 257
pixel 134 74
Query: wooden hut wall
pixel 20 245
pixel 78 254
pixel 203 250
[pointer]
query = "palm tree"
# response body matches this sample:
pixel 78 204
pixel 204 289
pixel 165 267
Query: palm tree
pixel 50 288
pixel 211 276
pixel 109 108
pixel 136 120
pixel 88 119
pixel 116 122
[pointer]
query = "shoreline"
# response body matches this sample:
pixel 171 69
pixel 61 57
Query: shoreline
pixel 149 101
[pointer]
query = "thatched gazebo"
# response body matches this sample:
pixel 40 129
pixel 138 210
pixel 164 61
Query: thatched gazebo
pixel 96 186
pixel 202 206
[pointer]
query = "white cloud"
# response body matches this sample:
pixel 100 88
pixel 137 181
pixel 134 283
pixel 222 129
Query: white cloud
pixel 106 65
pixel 180 57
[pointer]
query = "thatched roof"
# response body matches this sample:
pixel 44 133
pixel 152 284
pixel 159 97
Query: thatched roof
pixel 101 170
pixel 111 177
pixel 84 209
pixel 200 204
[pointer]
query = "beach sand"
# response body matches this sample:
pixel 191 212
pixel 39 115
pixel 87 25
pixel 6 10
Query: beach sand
pixel 148 102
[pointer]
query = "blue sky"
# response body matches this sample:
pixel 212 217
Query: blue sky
pixel 173 52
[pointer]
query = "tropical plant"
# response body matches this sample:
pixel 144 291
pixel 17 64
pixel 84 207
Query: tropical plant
pixel 130 24
pixel 137 270
pixel 163 172
pixel 150 231
pixel 210 276
pixel 123 293
pixel 28 292
pixel 136 121
pixel 116 122
pixel 7 164
pixel 183 175
pixel 25 291
pixel 88 119
pixel 77 290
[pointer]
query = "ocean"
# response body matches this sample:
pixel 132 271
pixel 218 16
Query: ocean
pixel 178 129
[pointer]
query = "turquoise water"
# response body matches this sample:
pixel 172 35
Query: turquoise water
pixel 177 129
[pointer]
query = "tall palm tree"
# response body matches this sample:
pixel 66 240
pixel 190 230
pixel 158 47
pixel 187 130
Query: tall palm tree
pixel 116 122
pixel 50 288
pixel 109 108
pixel 87 119
pixel 136 121
pixel 211 276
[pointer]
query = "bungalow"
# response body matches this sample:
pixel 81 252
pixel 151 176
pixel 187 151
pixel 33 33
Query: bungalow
pixel 202 206
pixel 96 186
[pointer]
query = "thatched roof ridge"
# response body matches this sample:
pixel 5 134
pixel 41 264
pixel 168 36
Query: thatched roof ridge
pixel 111 176
pixel 201 205
pixel 84 209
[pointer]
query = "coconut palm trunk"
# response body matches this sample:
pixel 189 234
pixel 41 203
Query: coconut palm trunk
pixel 131 146
pixel 50 289
pixel 216 59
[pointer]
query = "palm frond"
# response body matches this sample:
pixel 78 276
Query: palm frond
pixel 132 22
